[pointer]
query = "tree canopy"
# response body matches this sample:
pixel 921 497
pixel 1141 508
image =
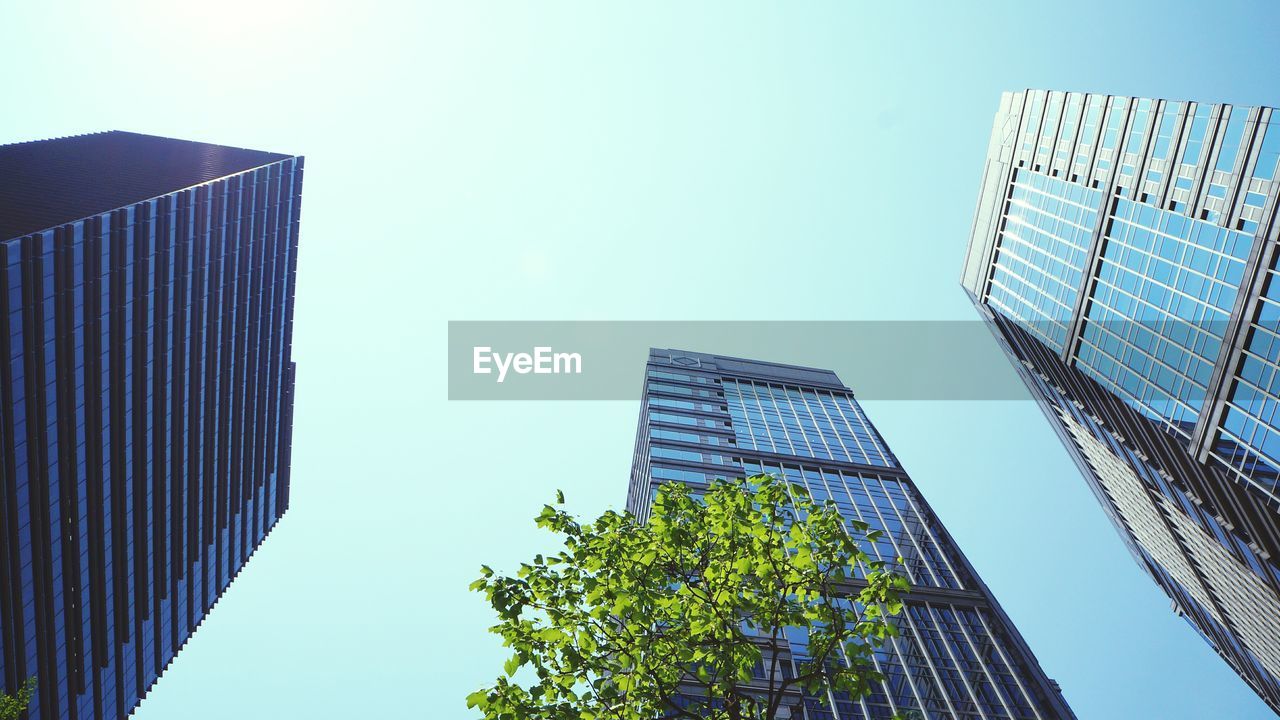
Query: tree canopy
pixel 11 706
pixel 727 604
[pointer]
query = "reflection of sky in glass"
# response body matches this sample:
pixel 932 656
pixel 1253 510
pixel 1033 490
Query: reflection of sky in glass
pixel 792 421
pixel 1155 320
pixel 1040 256
pixel 1250 431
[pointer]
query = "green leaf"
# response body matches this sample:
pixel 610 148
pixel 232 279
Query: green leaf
pixel 613 622
pixel 479 698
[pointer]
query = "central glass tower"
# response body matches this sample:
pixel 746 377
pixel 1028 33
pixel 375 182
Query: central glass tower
pixel 958 655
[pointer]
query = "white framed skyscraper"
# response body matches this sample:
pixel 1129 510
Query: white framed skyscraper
pixel 1124 252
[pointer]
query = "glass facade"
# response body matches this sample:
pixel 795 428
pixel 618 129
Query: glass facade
pixel 1042 252
pixel 1161 376
pixel 802 422
pixel 146 393
pixel 1161 300
pixel 958 656
pixel 1250 440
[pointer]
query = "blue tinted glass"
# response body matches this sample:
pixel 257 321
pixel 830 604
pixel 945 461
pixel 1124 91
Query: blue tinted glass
pixel 1154 324
pixel 1268 153
pixel 1231 140
pixel 1041 253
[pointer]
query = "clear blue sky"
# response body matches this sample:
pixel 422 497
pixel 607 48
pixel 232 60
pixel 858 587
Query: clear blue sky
pixel 586 161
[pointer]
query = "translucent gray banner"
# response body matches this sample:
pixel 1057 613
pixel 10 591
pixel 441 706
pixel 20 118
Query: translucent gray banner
pixel 604 360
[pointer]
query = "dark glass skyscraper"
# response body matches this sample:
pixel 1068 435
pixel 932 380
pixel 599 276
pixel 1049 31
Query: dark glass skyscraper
pixel 146 394
pixel 958 656
pixel 1124 251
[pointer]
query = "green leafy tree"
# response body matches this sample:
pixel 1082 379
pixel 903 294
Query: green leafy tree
pixel 12 706
pixel 688 615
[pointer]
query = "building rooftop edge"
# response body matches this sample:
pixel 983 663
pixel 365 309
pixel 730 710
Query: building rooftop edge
pixel 1141 97
pixel 251 160
pixel 749 367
